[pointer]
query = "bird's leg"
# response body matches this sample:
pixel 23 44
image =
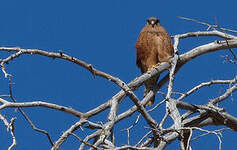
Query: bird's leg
pixel 154 66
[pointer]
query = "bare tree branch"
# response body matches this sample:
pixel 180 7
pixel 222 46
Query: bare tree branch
pixel 6 104
pixel 10 126
pixel 67 133
pixel 91 145
pixel 206 24
pixel 202 115
pixel 207 84
pixel 25 116
pixel 225 95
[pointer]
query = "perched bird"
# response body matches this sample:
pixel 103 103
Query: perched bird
pixel 153 47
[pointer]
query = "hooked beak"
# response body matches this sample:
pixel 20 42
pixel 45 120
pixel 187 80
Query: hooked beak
pixel 153 23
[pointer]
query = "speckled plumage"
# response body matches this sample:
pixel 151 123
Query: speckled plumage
pixel 153 47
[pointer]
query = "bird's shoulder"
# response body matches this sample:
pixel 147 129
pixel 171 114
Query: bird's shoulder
pixel 152 36
pixel 153 31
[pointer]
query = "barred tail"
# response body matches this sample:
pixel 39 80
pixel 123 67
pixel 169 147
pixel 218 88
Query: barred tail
pixel 149 84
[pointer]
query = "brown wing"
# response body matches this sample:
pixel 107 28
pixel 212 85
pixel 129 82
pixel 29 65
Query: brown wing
pixel 165 48
pixel 146 51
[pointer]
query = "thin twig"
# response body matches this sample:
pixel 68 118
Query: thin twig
pixel 26 117
pixel 206 24
pixel 67 133
pixel 10 126
pixel 234 80
pixel 12 129
pixel 91 136
pixel 130 127
pixel 227 59
pixel 145 136
pixel 79 139
pixel 225 95
pixel 215 132
pixel 231 51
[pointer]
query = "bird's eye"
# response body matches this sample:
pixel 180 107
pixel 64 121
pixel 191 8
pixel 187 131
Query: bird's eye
pixel 148 21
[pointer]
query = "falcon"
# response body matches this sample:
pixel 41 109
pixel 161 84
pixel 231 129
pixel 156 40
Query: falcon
pixel 153 47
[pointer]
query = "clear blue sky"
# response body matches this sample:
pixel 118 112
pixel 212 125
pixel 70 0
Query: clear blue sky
pixel 102 33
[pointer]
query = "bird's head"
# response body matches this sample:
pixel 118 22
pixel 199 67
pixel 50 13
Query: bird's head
pixel 153 21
